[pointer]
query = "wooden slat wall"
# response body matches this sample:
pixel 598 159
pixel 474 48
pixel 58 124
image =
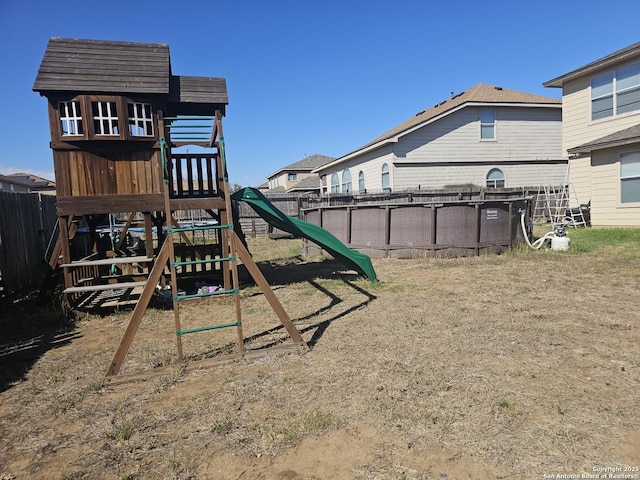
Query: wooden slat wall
pixel 133 172
pixel 26 223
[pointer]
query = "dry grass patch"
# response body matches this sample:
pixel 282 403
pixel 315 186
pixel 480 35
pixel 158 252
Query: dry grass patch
pixel 507 366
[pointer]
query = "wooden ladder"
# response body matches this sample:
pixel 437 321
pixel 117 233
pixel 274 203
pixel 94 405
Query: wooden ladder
pixel 233 250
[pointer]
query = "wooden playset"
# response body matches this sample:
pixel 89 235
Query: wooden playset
pixel 120 123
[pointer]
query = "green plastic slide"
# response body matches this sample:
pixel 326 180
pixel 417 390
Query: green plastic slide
pixel 263 207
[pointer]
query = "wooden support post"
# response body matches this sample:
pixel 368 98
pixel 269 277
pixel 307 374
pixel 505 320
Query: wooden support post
pixel 64 246
pixel 148 234
pixel 125 229
pixel 138 312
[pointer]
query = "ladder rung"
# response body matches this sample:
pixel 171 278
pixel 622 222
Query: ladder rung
pixel 204 227
pixel 179 333
pixel 109 286
pixel 108 261
pixel 179 298
pixel 199 262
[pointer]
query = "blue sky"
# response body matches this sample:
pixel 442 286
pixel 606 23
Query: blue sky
pixel 311 76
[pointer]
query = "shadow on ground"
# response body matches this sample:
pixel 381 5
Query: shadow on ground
pixel 29 330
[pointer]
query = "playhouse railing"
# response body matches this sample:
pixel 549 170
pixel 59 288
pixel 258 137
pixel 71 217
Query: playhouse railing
pixel 192 175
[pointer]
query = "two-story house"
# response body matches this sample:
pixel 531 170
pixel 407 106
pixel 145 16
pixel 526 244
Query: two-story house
pixel 486 136
pixel 601 134
pixel 297 176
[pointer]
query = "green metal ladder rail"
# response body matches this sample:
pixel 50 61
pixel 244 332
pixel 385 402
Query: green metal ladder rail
pixel 173 264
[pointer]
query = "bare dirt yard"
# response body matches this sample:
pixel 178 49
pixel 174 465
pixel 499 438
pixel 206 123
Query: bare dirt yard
pixel 524 365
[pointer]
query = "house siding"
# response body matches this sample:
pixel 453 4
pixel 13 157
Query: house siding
pixel 577 127
pixel 516 175
pixel 370 164
pixel 596 178
pixel 522 134
pixel 448 151
pixel 607 209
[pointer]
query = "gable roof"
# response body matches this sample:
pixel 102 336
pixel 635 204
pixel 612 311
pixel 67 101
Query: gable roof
pixel 309 183
pixel 481 94
pixel 305 165
pixel 604 62
pixel 115 67
pixel 621 138
pixel 32 181
pixel 104 66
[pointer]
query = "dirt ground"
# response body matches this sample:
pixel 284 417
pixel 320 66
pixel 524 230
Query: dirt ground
pixel 524 365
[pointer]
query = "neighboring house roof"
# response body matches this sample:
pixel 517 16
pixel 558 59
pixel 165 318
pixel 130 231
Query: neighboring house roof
pixel 33 181
pixel 278 189
pixel 305 165
pixel 481 94
pixel 604 62
pixel 306 184
pixel 618 139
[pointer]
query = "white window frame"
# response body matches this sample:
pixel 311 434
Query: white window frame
pixel 106 118
pixel 70 118
pixel 292 176
pixel 335 183
pixel 347 185
pixel 385 178
pixel 484 124
pixel 617 88
pixel 141 122
pixel 361 186
pixel 493 182
pixel 627 174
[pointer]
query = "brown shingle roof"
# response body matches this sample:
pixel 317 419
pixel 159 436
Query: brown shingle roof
pixel 305 165
pixel 618 139
pixel 481 93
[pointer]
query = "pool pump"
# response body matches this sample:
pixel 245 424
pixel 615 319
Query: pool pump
pixel 559 240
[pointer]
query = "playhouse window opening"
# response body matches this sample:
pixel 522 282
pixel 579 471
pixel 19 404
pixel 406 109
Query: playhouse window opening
pixel 70 118
pixel 105 118
pixel 140 119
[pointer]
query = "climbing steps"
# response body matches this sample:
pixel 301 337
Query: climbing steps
pixel 232 250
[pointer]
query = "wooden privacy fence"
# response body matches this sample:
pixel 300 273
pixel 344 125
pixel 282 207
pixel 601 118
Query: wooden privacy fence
pixel 26 223
pixel 411 229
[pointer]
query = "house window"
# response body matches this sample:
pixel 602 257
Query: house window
pixel 487 124
pixel 335 183
pixel 495 178
pixel 615 93
pixel 346 181
pixel 140 120
pixel 292 176
pixel 361 181
pixel 70 118
pixel 385 178
pixel 105 118
pixel 630 177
